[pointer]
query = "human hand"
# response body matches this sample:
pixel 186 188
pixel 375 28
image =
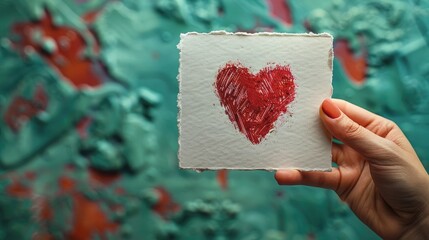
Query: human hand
pixel 379 174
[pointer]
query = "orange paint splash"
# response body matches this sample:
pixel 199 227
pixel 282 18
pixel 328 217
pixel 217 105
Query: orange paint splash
pixel 89 219
pixel 66 184
pixel 281 10
pixel 165 205
pixel 91 16
pixel 354 66
pixel 102 178
pixel 222 178
pixel 21 109
pixel 82 127
pixel 67 55
pixel 17 189
pixel 45 212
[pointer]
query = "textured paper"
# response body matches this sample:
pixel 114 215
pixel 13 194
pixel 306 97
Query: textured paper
pixel 207 137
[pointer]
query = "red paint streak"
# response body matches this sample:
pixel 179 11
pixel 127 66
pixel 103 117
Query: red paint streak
pixel 66 184
pixel 43 236
pixel 21 109
pixel 30 175
pixel 222 178
pixel 89 219
pixel 46 213
pixel 254 102
pixel 280 9
pixel 40 97
pixel 17 189
pixel 91 16
pixel 165 205
pixel 103 178
pixel 354 66
pixel 82 127
pixel 68 57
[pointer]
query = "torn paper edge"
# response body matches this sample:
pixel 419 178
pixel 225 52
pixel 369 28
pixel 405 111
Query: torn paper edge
pixel 223 32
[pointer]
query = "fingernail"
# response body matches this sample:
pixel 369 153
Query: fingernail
pixel 330 109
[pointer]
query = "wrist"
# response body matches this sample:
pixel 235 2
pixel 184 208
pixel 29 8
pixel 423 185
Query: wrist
pixel 419 229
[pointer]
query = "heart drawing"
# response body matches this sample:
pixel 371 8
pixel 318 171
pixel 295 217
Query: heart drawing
pixel 254 102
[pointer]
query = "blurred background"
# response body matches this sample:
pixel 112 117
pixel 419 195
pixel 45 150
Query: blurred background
pixel 88 133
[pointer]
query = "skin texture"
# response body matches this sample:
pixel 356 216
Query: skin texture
pixel 379 175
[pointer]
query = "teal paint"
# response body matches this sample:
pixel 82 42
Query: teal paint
pixel 396 80
pixel 113 147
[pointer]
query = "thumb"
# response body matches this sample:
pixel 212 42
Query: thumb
pixel 352 133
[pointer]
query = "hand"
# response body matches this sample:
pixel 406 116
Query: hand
pixel 379 174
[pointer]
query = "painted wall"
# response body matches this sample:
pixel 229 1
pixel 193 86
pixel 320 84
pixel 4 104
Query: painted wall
pixel 88 135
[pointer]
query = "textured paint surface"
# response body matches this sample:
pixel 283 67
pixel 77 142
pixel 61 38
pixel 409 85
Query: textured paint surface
pixel 61 46
pixel 253 102
pixel 88 116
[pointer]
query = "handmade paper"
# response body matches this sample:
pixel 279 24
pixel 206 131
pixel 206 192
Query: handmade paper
pixel 251 101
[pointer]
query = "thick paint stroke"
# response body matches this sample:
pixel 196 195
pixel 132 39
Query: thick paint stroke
pixel 254 102
pixel 281 10
pixel 62 46
pixel 354 66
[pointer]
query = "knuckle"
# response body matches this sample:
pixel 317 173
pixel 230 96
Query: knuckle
pixel 390 125
pixel 352 130
pixel 384 127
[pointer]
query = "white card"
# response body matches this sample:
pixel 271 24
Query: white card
pixel 251 101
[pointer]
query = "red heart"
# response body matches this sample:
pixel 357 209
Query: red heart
pixel 254 102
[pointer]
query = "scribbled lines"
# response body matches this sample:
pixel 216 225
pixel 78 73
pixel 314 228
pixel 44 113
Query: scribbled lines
pixel 254 102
